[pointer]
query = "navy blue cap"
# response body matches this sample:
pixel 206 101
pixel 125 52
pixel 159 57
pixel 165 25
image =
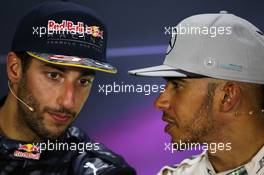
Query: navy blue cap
pixel 63 33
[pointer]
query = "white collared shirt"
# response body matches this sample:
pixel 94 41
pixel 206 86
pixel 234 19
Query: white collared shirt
pixel 200 165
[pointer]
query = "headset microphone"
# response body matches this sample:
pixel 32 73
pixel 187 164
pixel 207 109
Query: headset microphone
pixel 30 108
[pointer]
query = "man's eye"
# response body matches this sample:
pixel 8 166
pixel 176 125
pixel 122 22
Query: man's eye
pixel 177 85
pixel 53 75
pixel 85 82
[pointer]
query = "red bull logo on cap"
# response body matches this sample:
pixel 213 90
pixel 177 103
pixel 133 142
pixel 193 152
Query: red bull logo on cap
pixel 69 27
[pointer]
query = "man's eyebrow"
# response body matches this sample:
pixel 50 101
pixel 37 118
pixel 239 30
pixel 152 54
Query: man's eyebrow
pixel 64 69
pixel 87 73
pixel 60 68
pixel 173 79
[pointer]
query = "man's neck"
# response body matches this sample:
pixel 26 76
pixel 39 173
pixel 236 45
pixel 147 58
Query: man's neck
pixel 11 125
pixel 245 142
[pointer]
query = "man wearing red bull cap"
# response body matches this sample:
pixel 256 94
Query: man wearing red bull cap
pixel 56 49
pixel 214 95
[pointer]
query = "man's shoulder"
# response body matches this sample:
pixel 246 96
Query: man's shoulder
pixel 188 166
pixel 77 133
pixel 100 158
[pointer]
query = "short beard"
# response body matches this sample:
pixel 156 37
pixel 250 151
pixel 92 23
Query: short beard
pixel 203 123
pixel 32 120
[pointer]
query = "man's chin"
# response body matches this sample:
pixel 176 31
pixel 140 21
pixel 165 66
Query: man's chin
pixel 54 133
pixel 177 140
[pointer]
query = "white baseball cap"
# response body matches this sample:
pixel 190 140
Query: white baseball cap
pixel 234 52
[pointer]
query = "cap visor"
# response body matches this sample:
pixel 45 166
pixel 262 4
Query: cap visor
pixel 158 71
pixel 74 61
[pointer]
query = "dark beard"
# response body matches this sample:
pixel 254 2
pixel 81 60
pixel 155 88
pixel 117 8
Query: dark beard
pixel 32 120
pixel 203 116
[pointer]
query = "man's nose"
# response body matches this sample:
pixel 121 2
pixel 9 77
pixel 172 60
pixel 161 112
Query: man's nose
pixel 162 101
pixel 66 98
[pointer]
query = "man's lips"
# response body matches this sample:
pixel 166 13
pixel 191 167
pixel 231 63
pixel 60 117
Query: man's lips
pixel 171 122
pixel 168 119
pixel 59 117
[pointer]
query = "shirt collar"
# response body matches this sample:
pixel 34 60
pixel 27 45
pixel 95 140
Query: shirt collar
pixel 254 166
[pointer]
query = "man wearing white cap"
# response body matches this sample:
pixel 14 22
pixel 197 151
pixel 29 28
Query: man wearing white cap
pixel 214 94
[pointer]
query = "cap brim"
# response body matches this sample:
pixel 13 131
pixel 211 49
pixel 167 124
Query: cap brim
pixel 158 71
pixel 74 61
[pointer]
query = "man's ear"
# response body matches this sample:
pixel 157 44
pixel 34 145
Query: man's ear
pixel 231 96
pixel 13 67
